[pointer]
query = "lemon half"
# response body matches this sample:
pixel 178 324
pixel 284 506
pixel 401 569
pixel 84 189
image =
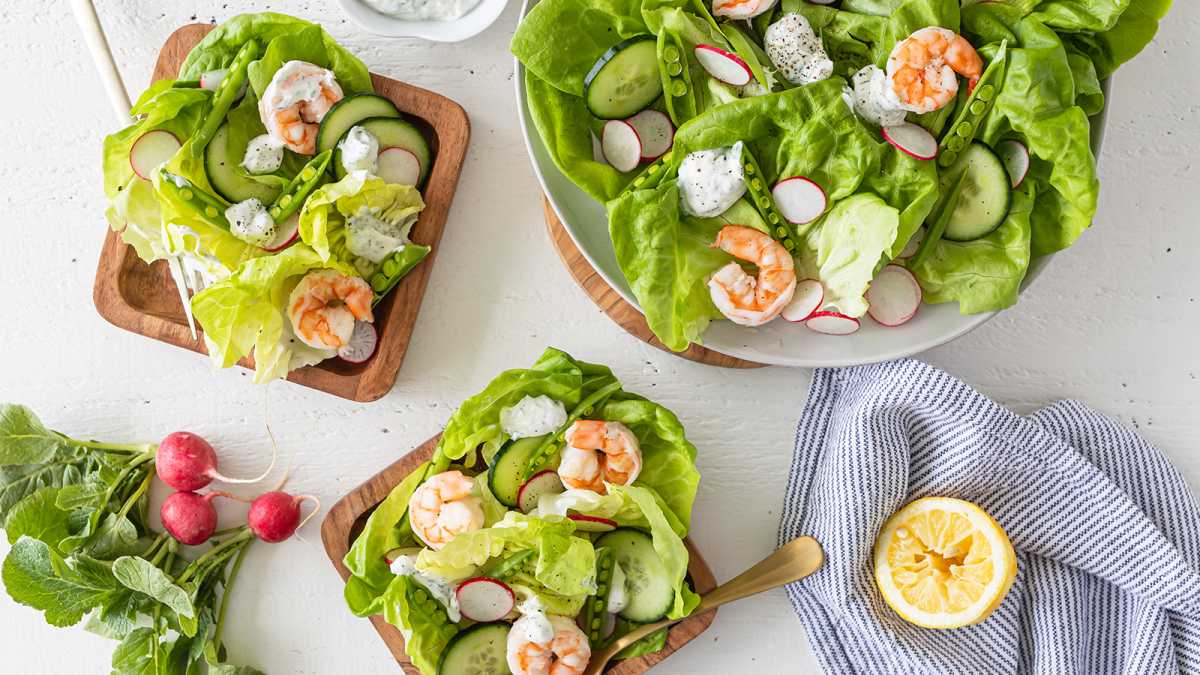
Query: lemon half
pixel 943 563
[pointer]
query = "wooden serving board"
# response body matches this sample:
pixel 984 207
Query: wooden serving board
pixel 143 299
pixel 347 517
pixel 611 303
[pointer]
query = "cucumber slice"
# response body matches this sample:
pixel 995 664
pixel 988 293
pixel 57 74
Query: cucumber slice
pixel 222 168
pixel 651 592
pixel 985 195
pixel 481 649
pixel 625 80
pixel 507 473
pixel 350 111
pixel 393 133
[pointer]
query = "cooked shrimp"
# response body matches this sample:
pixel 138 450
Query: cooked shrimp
pixel 598 452
pixel 742 9
pixel 324 306
pixel 567 653
pixel 294 103
pixel 747 300
pixel 444 507
pixel 923 68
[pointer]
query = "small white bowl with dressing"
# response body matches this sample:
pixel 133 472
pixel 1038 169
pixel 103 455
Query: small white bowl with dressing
pixel 436 20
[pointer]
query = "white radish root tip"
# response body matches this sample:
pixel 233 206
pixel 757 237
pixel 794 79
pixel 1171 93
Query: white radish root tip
pixel 316 509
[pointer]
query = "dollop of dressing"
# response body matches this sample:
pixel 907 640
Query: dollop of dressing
pixel 711 181
pixel 441 589
pixel 250 222
pixel 370 237
pixel 532 416
pixel 796 50
pixel 264 154
pixel 423 10
pixel 533 625
pixel 874 100
pixel 360 151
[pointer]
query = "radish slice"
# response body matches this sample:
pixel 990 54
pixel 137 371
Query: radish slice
pixel 894 296
pixel 805 301
pixel 212 78
pixel 592 523
pixel 1015 156
pixel 610 625
pixel 391 556
pixel 286 234
pixel 621 144
pixel 799 199
pixel 912 140
pixel 832 323
pixel 541 483
pixel 485 599
pixel 397 165
pixel 150 150
pixel 726 67
pixel 656 132
pixel 913 245
pixel 361 345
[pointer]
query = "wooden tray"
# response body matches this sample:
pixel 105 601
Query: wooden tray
pixel 143 299
pixel 347 517
pixel 611 303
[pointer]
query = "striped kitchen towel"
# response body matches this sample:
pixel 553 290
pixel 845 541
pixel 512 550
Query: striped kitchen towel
pixel 1107 532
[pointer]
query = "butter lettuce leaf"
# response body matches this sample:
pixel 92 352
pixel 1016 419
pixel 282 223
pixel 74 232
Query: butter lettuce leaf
pixel 323 218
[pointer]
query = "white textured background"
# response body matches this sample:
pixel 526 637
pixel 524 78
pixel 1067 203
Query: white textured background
pixel 1114 321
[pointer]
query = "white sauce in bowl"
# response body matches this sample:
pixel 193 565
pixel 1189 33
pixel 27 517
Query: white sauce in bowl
pixel 423 10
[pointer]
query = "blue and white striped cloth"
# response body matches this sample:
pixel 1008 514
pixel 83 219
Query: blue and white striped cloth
pixel 1106 530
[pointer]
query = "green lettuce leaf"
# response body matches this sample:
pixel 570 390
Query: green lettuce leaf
pixel 423 622
pixel 323 219
pixel 1134 29
pixel 846 248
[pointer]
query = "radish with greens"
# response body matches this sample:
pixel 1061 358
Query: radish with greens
pixel 151 150
pixel 484 599
pixel 187 462
pixel 807 299
pixel 799 199
pixel 275 516
pixel 912 140
pixel 190 517
pixel 655 131
pixel 621 145
pixel 894 296
pixel 724 66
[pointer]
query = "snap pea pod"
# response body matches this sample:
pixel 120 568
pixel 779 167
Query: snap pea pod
pixel 653 175
pixel 224 96
pixel 209 207
pixel 507 565
pixel 934 233
pixel 597 605
pixel 299 188
pixel 678 93
pixel 966 125
pixel 760 194
pixel 394 267
pixel 586 407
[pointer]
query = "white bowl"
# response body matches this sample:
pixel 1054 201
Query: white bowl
pixel 779 342
pixel 469 25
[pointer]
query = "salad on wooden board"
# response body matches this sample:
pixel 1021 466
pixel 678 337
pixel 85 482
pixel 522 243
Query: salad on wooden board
pixel 822 161
pixel 549 521
pixel 270 175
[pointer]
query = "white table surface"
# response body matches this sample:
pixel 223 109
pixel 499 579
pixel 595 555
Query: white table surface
pixel 1113 322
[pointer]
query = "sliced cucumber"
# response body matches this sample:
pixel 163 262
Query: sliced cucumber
pixel 481 649
pixel 393 133
pixel 651 591
pixel 985 195
pixel 507 473
pixel 222 168
pixel 625 80
pixel 350 111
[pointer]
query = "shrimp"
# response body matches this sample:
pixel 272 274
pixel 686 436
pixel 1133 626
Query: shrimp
pixel 294 103
pixel 599 452
pixel 923 68
pixel 744 299
pixel 324 306
pixel 742 9
pixel 567 653
pixel 444 507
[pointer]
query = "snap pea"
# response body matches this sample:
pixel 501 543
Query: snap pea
pixel 299 188
pixel 654 173
pixel 394 267
pixel 506 565
pixel 969 119
pixel 207 206
pixel 764 203
pixel 597 605
pixel 224 96
pixel 586 407
pixel 678 94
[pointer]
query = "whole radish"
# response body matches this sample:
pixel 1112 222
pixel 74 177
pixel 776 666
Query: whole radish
pixel 275 516
pixel 187 462
pixel 190 517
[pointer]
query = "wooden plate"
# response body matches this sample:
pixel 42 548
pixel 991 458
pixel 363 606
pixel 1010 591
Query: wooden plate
pixel 143 299
pixel 347 517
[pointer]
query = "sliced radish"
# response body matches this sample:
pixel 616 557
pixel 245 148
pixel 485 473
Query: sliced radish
pixel 485 599
pixel 914 244
pixel 392 555
pixel 541 483
pixel 656 132
pixel 621 144
pixel 592 523
pixel 286 234
pixel 726 67
pixel 894 296
pixel 212 78
pixel 912 140
pixel 1015 156
pixel 150 150
pixel 610 625
pixel 361 345
pixel 832 323
pixel 805 301
pixel 397 165
pixel 799 199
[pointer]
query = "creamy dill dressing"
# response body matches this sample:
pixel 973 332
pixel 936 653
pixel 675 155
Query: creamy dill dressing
pixel 534 625
pixel 423 10
pixel 796 50
pixel 360 151
pixel 711 181
pixel 874 100
pixel 441 589
pixel 250 222
pixel 264 154
pixel 532 416
pixel 369 237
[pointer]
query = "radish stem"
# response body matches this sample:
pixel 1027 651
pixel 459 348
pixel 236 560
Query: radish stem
pixel 137 494
pixel 191 569
pixel 233 573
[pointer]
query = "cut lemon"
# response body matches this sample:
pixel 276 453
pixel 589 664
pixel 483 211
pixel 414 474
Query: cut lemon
pixel 943 563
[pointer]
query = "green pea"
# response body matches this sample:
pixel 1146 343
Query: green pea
pixel 186 195
pixel 605 563
pixel 749 169
pixel 639 181
pixel 421 595
pixel 966 129
pixel 949 157
pixel 285 201
pixel 986 92
pixel 781 232
pixel 211 211
pixel 955 144
pixel 275 212
pixel 671 54
pixel 653 168
pixel 308 173
pixel 772 218
pixel 390 267
pixel 763 203
pixel 678 88
pixel 978 107
pixel 756 184
pixel 595 624
pixel 789 245
pixel 674 69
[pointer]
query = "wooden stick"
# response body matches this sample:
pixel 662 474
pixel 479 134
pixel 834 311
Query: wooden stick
pixel 110 77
